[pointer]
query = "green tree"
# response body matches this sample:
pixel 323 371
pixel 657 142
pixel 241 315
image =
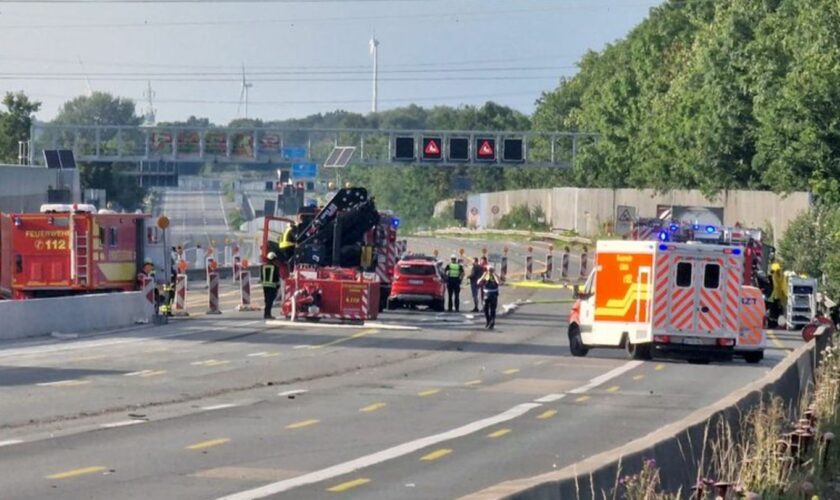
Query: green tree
pixel 15 124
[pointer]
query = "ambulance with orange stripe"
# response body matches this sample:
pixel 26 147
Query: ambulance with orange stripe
pixel 655 298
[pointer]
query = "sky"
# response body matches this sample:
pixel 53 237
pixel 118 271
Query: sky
pixel 301 57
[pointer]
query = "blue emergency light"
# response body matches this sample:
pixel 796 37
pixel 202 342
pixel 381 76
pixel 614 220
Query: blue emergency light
pixel 736 251
pixel 663 247
pixel 663 236
pixel 395 223
pixel 674 228
pixel 710 229
pixel 696 227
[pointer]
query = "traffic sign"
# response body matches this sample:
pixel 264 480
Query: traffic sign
pixel 432 148
pixel 459 149
pixel 513 151
pixel 304 170
pixel 495 210
pixel 163 222
pixel 294 153
pixel 624 217
pixel 404 149
pixel 474 210
pixel 461 183
pixel 485 149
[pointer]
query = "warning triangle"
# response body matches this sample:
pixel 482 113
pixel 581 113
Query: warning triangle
pixel 432 148
pixel 486 149
pixel 625 216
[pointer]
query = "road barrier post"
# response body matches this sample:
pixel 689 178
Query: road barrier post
pixel 245 292
pixel 148 285
pixel 529 265
pixel 583 263
pixel 549 264
pixel 237 267
pixel 504 266
pixel 564 264
pixel 213 293
pixel 181 295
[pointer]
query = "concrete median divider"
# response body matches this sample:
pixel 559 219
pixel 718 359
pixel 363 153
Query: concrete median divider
pixel 67 315
pixel 682 450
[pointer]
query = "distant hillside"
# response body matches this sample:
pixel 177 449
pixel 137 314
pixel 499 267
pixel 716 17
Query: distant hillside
pixel 711 94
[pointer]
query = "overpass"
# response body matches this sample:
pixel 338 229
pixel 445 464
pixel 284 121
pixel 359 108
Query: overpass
pixel 182 144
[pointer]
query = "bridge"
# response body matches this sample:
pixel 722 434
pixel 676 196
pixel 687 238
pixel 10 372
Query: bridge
pixel 269 146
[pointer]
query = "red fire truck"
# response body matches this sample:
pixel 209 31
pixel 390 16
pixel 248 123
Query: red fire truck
pixel 71 249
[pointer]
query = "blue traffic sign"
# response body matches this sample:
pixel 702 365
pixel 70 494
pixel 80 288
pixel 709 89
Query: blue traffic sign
pixel 294 153
pixel 304 170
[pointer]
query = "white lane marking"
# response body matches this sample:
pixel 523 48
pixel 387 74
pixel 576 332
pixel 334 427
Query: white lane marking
pixel 62 383
pixel 257 354
pixel 600 379
pixel 218 407
pixel 550 398
pixel 10 442
pixel 381 456
pixel 304 346
pixel 293 392
pixel 124 423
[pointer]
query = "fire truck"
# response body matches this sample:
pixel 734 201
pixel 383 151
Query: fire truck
pixel 344 258
pixel 670 299
pixel 72 249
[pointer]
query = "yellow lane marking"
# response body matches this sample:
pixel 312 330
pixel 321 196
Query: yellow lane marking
pixel 153 373
pixel 660 367
pixel 363 333
pixel 348 485
pixel 207 444
pixel 776 342
pixel 64 383
pixel 436 454
pixel 511 371
pixel 264 354
pixel 614 388
pixel 499 433
pixel 430 392
pixel 304 423
pixel 77 472
pixel 472 382
pixel 638 377
pixel 582 399
pixel 547 414
pixel 373 407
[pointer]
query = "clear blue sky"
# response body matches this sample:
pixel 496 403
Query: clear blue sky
pixel 296 53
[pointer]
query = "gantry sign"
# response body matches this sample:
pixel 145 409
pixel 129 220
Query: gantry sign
pixel 183 144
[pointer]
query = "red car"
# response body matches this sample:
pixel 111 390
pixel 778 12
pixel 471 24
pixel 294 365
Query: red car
pixel 417 281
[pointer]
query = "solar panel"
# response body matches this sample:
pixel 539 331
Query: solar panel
pixel 340 157
pixel 65 156
pixel 51 158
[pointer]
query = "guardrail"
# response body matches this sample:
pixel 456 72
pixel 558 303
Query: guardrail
pixel 506 232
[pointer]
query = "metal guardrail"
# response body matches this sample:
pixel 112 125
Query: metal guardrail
pixel 183 144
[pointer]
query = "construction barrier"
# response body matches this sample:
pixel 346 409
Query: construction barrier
pixel 564 271
pixel 213 293
pixel 549 267
pixel 245 292
pixel 237 268
pixel 529 265
pixel 181 295
pixel 149 309
pixel 504 268
pixel 583 265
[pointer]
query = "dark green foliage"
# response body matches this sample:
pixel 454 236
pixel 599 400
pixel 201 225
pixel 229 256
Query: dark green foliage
pixel 524 218
pixel 15 123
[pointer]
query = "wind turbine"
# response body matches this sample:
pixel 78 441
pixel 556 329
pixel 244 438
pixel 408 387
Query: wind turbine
pixel 243 95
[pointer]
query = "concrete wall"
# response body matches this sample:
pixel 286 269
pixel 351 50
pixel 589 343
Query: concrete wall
pixel 24 188
pixel 586 210
pixel 79 314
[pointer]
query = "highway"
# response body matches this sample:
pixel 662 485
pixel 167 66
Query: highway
pixel 195 216
pixel 417 405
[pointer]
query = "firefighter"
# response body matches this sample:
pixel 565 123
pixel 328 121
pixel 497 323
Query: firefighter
pixel 454 274
pixel 490 285
pixel 270 280
pixel 778 298
pixel 288 242
pixel 476 272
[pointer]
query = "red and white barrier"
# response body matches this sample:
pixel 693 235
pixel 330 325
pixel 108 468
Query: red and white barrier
pixel 148 286
pixel 549 267
pixel 529 265
pixel 237 268
pixel 245 292
pixel 181 295
pixel 213 293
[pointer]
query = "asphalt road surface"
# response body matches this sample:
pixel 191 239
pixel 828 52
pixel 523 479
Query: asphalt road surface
pixel 418 405
pixel 196 216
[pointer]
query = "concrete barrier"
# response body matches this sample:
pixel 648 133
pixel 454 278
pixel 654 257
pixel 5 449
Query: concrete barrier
pixel 79 314
pixel 681 450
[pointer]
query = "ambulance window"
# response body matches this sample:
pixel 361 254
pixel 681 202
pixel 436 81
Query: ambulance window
pixel 102 236
pixel 113 235
pixel 684 270
pixel 711 278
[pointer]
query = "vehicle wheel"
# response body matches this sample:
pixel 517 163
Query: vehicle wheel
pixel 638 351
pixel 438 305
pixel 754 357
pixel 576 345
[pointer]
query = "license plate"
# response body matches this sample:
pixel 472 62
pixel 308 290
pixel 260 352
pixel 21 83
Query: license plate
pixel 415 282
pixel 691 341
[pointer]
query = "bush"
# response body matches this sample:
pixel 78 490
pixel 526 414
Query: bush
pixel 525 218
pixel 811 246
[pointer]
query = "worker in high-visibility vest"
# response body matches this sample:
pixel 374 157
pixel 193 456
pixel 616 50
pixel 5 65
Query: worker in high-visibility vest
pixel 490 284
pixel 778 297
pixel 288 242
pixel 454 272
pixel 270 280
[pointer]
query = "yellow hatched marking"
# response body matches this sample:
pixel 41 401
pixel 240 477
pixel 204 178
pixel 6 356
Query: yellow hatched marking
pixel 638 377
pixel 582 399
pixel 436 454
pixel 430 392
pixel 363 333
pixel 304 423
pixel 348 485
pixel 77 472
pixel 511 371
pixel 660 367
pixel 154 373
pixel 499 433
pixel 547 414
pixel 473 382
pixel 373 407
pixel 207 444
pixel 614 388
